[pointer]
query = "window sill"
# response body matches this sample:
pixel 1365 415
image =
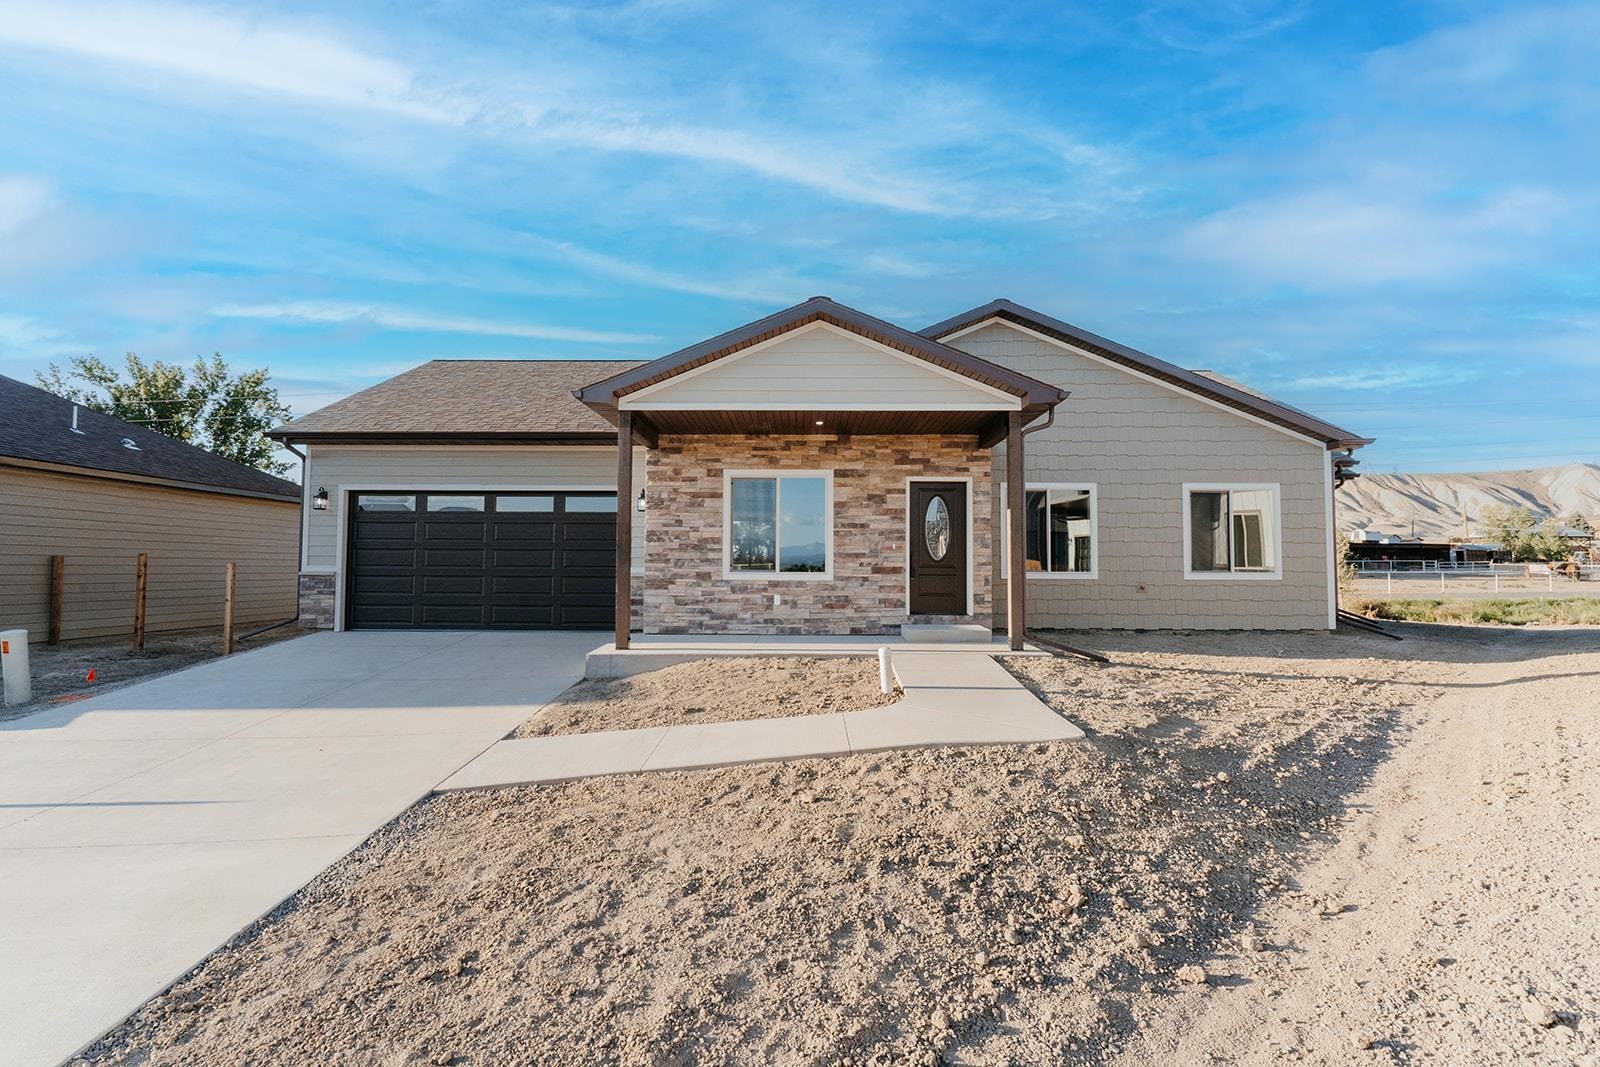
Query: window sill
pixel 1234 576
pixel 777 576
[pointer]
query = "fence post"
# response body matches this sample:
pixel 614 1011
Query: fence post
pixel 1391 581
pixel 1441 579
pixel 1496 581
pixel 58 574
pixel 1550 573
pixel 227 610
pixel 138 601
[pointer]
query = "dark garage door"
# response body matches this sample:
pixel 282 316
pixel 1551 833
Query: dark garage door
pixel 453 561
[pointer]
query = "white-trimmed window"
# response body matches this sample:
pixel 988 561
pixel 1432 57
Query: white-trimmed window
pixel 777 525
pixel 1232 531
pixel 1062 520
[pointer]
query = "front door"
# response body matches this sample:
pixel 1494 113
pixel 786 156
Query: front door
pixel 938 540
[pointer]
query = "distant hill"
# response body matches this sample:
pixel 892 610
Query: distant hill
pixel 1389 502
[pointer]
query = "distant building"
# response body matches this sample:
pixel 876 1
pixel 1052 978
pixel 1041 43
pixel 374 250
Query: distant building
pixel 1374 546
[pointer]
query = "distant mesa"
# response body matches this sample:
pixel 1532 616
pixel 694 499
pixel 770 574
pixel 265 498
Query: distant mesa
pixel 1392 503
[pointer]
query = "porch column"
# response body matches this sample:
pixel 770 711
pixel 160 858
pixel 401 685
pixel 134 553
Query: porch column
pixel 1016 503
pixel 624 527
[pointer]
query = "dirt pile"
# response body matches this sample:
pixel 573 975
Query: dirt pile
pixel 1000 905
pixel 714 690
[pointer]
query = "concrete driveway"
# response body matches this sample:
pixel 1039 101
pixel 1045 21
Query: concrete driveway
pixel 141 829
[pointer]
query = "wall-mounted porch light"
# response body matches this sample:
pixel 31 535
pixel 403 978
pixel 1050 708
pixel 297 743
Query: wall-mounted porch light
pixel 320 501
pixel 638 505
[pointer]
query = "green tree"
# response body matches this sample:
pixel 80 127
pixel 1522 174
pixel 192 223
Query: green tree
pixel 1509 527
pixel 206 405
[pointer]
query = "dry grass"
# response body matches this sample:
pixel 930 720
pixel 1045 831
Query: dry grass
pixel 1569 611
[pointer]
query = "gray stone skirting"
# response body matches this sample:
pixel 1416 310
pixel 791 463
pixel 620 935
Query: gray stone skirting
pixel 316 601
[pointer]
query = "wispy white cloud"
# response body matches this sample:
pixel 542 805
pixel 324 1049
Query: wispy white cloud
pixel 22 199
pixel 25 337
pixel 900 156
pixel 1390 377
pixel 280 57
pixel 1373 233
pixel 749 289
pixel 393 318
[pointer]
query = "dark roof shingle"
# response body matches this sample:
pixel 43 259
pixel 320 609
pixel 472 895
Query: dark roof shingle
pixel 36 425
pixel 467 397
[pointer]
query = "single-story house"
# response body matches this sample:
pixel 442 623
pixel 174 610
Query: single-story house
pixel 98 491
pixel 822 471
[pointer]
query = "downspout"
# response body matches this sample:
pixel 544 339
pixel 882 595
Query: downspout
pixel 1050 644
pixel 299 546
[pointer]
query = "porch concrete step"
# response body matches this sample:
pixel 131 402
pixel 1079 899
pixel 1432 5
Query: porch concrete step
pixel 957 633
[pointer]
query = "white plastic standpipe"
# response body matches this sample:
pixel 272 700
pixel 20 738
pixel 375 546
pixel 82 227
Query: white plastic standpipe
pixel 16 682
pixel 885 670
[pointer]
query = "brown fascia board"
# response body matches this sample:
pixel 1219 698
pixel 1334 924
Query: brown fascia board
pixel 1279 414
pixel 1036 396
pixel 287 435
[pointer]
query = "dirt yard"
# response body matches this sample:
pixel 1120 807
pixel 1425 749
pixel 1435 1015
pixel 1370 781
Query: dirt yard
pixel 61 673
pixel 1330 848
pixel 713 690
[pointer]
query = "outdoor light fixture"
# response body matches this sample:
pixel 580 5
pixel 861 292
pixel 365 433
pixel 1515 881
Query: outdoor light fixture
pixel 819 422
pixel 639 504
pixel 320 501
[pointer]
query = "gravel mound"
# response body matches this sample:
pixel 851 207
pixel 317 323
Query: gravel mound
pixel 713 690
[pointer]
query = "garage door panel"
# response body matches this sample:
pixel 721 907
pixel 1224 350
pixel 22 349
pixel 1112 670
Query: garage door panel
pixel 453 557
pixel 575 585
pixel 464 584
pixel 529 585
pixel 451 615
pixel 385 559
pixel 549 563
pixel 453 531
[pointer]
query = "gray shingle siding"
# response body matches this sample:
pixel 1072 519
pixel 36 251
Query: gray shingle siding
pixel 1139 442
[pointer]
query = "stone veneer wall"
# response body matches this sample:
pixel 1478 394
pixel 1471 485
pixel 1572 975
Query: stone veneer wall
pixel 316 601
pixel 685 591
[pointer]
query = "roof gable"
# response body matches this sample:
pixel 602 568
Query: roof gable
pixel 819 367
pixel 37 426
pixel 1211 388
pixel 1035 396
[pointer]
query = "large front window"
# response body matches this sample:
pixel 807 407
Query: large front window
pixel 1233 532
pixel 779 524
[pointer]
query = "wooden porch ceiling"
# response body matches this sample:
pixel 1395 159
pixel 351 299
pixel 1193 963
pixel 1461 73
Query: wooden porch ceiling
pixel 988 426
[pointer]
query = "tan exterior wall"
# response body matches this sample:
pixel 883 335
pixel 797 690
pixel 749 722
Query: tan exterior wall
pixel 818 368
pixel 101 525
pixel 685 591
pixel 1138 442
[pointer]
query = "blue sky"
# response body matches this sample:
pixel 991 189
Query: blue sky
pixel 1385 213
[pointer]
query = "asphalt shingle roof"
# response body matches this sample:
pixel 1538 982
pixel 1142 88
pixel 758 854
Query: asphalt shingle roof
pixel 468 396
pixel 37 425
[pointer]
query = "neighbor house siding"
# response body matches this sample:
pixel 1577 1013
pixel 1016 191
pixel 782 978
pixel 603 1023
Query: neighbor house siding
pixel 687 592
pixel 100 525
pixel 1139 442
pixel 817 369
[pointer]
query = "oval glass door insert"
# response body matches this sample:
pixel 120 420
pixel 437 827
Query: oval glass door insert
pixel 936 528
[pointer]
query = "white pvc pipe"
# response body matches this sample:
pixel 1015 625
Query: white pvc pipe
pixel 885 670
pixel 15 681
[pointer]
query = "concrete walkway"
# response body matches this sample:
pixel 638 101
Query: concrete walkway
pixel 141 829
pixel 956 696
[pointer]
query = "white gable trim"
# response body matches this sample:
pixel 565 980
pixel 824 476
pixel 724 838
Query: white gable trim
pixel 1086 354
pixel 993 399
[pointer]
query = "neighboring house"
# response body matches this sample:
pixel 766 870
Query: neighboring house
pixel 99 491
pixel 822 471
